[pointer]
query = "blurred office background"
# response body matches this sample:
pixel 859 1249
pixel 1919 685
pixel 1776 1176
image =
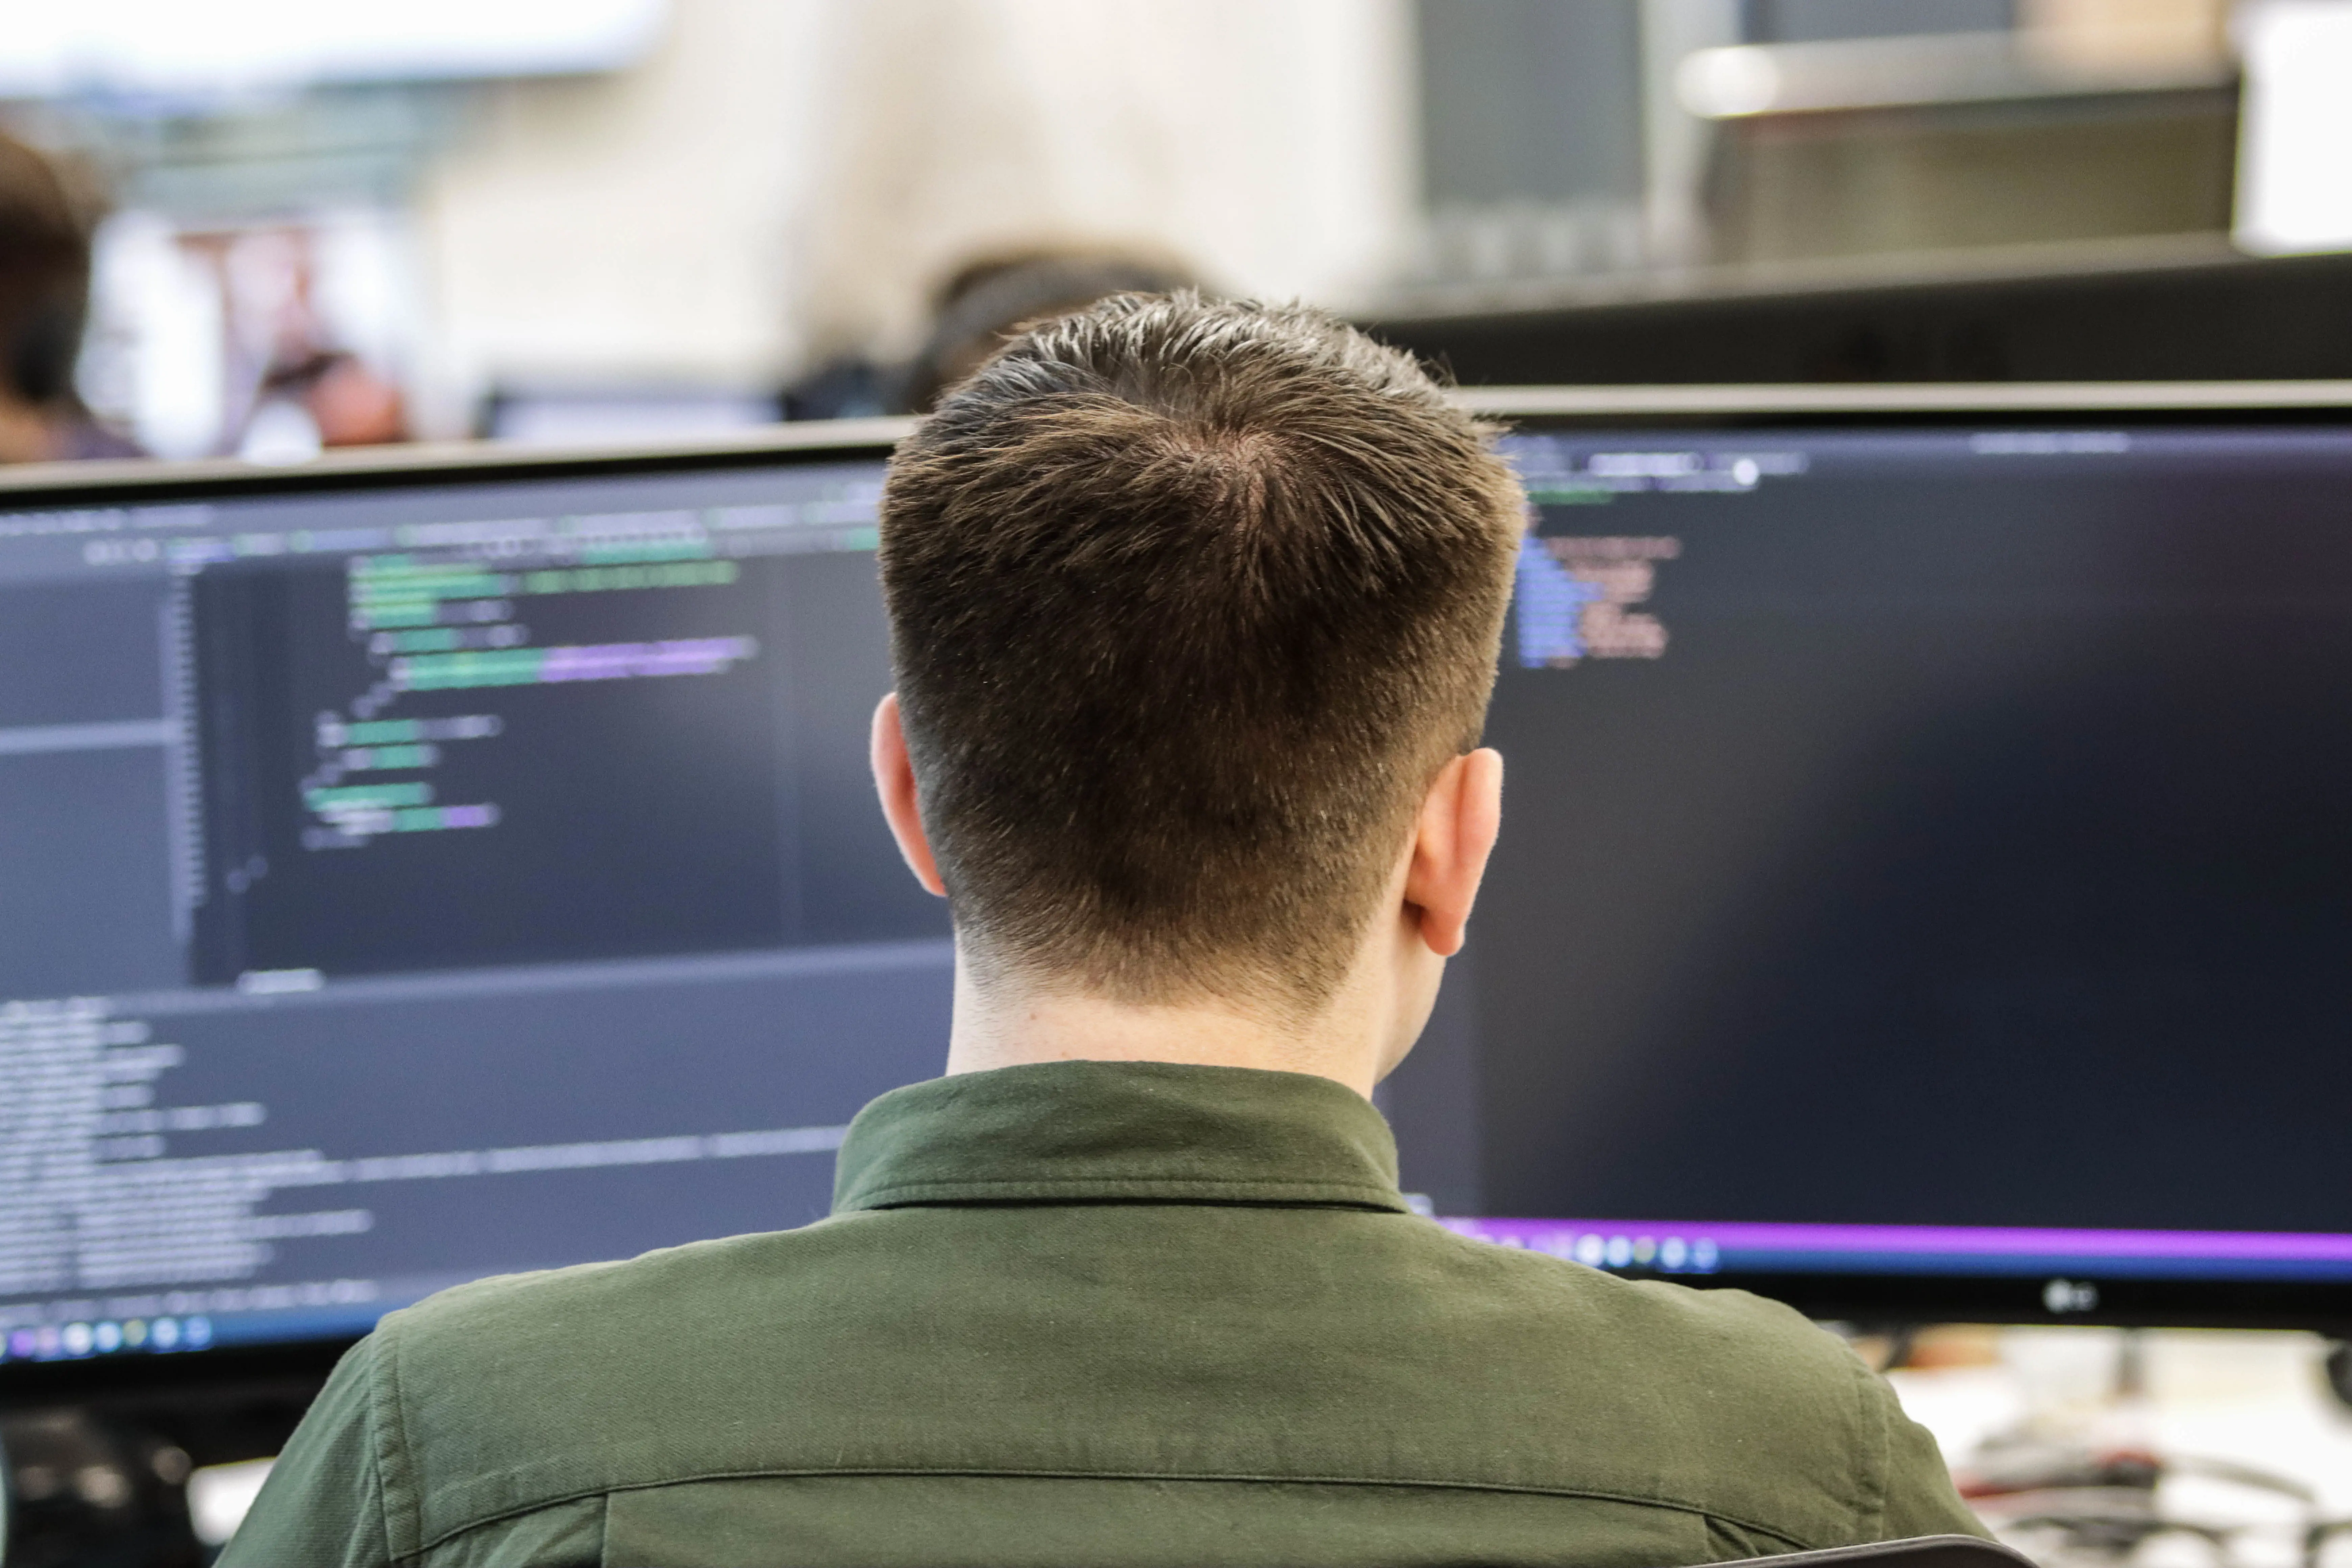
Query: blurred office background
pixel 579 219
pixel 631 217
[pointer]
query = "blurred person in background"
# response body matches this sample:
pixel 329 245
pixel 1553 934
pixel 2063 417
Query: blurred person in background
pixel 347 403
pixel 293 384
pixel 984 304
pixel 989 301
pixel 44 298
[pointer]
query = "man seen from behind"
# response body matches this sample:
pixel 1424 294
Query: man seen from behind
pixel 1195 609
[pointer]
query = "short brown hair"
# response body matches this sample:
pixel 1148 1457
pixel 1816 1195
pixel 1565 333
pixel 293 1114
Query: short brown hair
pixel 43 276
pixel 1189 602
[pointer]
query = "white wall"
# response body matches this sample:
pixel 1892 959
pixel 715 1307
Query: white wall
pixel 786 178
pixel 633 224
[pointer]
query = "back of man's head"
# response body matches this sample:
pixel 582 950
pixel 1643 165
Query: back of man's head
pixel 1189 603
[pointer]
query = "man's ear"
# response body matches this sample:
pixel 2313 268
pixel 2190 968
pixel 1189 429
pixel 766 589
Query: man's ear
pixel 1459 819
pixel 894 781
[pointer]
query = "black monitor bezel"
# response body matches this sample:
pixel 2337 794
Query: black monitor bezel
pixel 118 483
pixel 1860 1297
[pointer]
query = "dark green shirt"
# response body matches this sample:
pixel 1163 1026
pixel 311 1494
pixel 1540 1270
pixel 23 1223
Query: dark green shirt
pixel 1097 1313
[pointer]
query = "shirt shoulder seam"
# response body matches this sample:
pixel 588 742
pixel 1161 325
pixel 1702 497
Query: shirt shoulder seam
pixel 392 1449
pixel 1878 1474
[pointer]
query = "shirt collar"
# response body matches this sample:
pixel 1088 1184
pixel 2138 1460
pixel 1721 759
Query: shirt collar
pixel 1109 1131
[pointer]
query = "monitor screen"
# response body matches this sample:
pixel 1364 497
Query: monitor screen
pixel 1925 880
pixel 1926 886
pixel 406 881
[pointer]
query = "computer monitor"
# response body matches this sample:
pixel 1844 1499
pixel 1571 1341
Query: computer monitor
pixel 1925 882
pixel 1925 889
pixel 415 869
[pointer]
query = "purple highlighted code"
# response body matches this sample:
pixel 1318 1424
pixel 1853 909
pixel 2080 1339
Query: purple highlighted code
pixel 593 661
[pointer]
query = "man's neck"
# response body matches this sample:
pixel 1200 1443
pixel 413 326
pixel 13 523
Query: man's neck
pixel 1003 1025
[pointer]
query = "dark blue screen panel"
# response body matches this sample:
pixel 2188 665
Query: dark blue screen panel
pixel 400 886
